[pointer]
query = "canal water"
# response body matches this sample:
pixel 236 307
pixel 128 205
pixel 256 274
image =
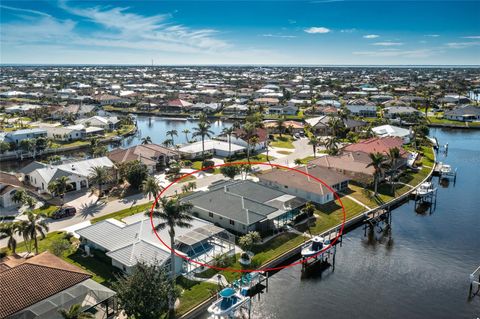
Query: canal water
pixel 423 272
pixel 157 127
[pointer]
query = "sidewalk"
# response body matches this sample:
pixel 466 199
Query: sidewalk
pixel 94 209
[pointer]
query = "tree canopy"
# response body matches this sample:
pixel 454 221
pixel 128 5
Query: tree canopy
pixel 145 293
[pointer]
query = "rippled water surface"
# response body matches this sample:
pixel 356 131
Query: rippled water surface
pixel 422 273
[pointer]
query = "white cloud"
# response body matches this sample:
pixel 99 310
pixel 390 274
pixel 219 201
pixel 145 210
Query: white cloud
pixel 351 30
pixel 421 53
pixel 126 37
pixel 25 10
pixel 432 35
pixel 371 36
pixel 37 30
pixel 388 44
pixel 462 45
pixel 131 30
pixel 270 35
pixel 317 30
pixel 472 37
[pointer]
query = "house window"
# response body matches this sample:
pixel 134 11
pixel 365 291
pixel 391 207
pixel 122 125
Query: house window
pixel 210 215
pixel 232 222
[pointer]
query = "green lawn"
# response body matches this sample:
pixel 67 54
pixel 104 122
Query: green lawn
pixel 59 144
pixel 99 266
pixel 276 247
pixel 284 152
pixel 331 214
pixel 43 244
pixel 124 212
pixel 255 158
pixel 193 293
pixel 285 141
pixel 197 165
pixel 46 209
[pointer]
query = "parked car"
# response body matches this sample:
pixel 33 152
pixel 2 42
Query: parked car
pixel 64 212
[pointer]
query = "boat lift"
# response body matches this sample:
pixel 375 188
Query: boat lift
pixel 425 197
pixel 474 283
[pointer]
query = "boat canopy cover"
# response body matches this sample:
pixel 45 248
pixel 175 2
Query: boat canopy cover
pixel 227 292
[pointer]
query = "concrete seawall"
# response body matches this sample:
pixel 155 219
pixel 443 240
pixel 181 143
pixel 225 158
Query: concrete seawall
pixel 294 252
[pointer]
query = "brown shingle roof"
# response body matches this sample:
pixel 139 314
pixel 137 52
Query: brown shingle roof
pixel 35 280
pixel 349 161
pixel 147 154
pixel 9 179
pixel 299 181
pixel 377 144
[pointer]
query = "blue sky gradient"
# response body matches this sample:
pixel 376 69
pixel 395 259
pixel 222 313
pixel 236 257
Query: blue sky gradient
pixel 245 32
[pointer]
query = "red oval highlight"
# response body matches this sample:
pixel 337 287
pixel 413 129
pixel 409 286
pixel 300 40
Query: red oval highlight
pixel 250 270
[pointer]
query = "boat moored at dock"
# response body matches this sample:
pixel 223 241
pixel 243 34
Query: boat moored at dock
pixel 228 303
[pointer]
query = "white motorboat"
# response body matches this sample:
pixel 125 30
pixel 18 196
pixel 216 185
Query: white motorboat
pixel 229 302
pixel 315 246
pixel 425 189
pixel 446 170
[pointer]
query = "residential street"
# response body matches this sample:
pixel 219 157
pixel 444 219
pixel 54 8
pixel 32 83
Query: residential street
pixel 88 208
pixel 92 209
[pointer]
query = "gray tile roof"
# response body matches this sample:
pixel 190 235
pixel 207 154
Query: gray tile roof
pixel 233 200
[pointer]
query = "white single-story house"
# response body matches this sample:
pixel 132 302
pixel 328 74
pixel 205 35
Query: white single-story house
pixel 395 131
pixel 129 243
pixel 20 108
pixel 9 185
pixel 397 111
pixel 107 123
pixel 212 147
pixel 466 113
pixel 303 186
pixel 283 110
pixel 72 132
pixel 20 135
pixel 362 110
pixel 40 175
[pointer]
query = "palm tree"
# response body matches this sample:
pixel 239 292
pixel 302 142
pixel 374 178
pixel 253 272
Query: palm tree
pixel 151 187
pixel 173 214
pixel 314 141
pixel 331 144
pixel 202 130
pixel 186 132
pixel 167 143
pixel 393 155
pixel 146 140
pixel 75 312
pixel 8 230
pixel 279 124
pixel 59 186
pixel 250 131
pixel 172 133
pixel 19 196
pixel 254 140
pixel 34 225
pixel 228 131
pixel 335 124
pixel 377 163
pixel 99 175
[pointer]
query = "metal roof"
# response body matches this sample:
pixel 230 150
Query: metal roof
pixel 199 234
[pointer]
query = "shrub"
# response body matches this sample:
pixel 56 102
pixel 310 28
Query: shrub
pixel 59 247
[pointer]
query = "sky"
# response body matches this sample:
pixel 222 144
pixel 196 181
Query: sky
pixel 319 32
